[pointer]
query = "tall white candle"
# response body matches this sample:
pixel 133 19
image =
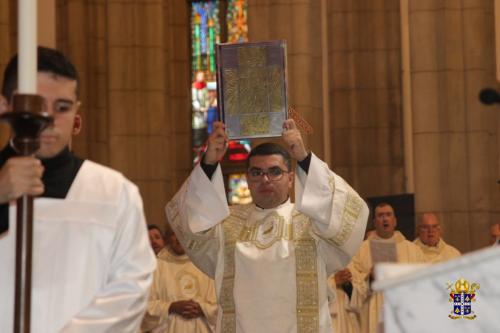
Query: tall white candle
pixel 27 28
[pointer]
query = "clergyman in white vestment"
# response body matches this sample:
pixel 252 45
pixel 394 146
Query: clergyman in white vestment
pixel 368 302
pixel 270 259
pixel 429 240
pixel 182 298
pixel 92 263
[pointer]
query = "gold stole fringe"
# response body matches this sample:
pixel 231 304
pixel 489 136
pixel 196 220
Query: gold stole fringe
pixel 236 229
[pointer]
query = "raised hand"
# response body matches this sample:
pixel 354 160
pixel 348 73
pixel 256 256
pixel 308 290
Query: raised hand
pixel 217 144
pixel 20 175
pixel 293 140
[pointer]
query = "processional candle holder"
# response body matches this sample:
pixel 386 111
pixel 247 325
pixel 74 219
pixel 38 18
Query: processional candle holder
pixel 27 121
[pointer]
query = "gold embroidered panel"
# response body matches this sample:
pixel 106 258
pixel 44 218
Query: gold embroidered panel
pixel 352 210
pixel 231 90
pixel 252 56
pixel 228 323
pixel 254 124
pixel 306 275
pixel 188 284
pixel 263 234
pixel 237 229
pixel 232 227
pixel 252 88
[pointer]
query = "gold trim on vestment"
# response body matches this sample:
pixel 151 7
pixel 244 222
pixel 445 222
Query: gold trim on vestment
pixel 352 209
pixel 232 227
pixel 277 230
pixel 306 275
pixel 238 229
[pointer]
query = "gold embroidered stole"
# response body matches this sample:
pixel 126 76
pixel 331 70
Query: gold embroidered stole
pixel 236 228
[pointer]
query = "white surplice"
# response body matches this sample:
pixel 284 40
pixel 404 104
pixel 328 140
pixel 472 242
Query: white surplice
pixel 271 265
pixel 439 253
pixel 92 262
pixel 177 279
pixel 369 303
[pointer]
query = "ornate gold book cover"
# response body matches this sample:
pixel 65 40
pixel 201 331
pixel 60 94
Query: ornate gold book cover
pixel 252 93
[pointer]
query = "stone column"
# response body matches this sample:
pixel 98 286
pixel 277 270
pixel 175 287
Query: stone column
pixel 178 87
pixel 365 95
pixel 130 57
pixel 455 137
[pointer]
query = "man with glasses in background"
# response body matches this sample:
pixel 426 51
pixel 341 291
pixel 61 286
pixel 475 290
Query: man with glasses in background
pixel 429 240
pixel 270 259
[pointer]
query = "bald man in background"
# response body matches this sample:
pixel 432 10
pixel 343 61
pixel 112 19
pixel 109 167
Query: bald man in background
pixel 429 240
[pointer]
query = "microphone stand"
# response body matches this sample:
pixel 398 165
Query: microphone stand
pixel 27 122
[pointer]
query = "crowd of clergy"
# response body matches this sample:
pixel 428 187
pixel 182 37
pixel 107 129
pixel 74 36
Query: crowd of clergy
pixel 183 298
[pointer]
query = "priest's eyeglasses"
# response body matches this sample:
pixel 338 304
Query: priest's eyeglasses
pixel 273 174
pixel 429 226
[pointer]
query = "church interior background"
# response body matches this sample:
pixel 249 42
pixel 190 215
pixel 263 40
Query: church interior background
pixel 390 88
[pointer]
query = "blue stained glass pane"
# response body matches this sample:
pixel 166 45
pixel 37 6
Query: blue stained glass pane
pixel 205 32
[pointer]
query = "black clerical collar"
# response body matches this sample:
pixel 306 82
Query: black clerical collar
pixel 60 172
pixel 58 161
pixel 58 176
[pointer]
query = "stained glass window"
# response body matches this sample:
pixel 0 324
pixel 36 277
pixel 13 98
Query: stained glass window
pixel 237 27
pixel 207 20
pixel 205 32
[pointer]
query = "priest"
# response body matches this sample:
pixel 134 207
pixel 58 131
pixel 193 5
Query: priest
pixel 364 299
pixel 182 298
pixel 92 263
pixel 429 240
pixel 270 259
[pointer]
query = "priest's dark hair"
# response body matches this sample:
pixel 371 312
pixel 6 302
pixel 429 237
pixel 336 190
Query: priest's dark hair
pixel 154 226
pixel 49 61
pixel 382 204
pixel 270 148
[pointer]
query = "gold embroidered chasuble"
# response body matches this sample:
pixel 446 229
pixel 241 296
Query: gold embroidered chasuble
pixel 237 229
pixel 271 266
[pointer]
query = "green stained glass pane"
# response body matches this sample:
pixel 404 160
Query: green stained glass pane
pixel 205 32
